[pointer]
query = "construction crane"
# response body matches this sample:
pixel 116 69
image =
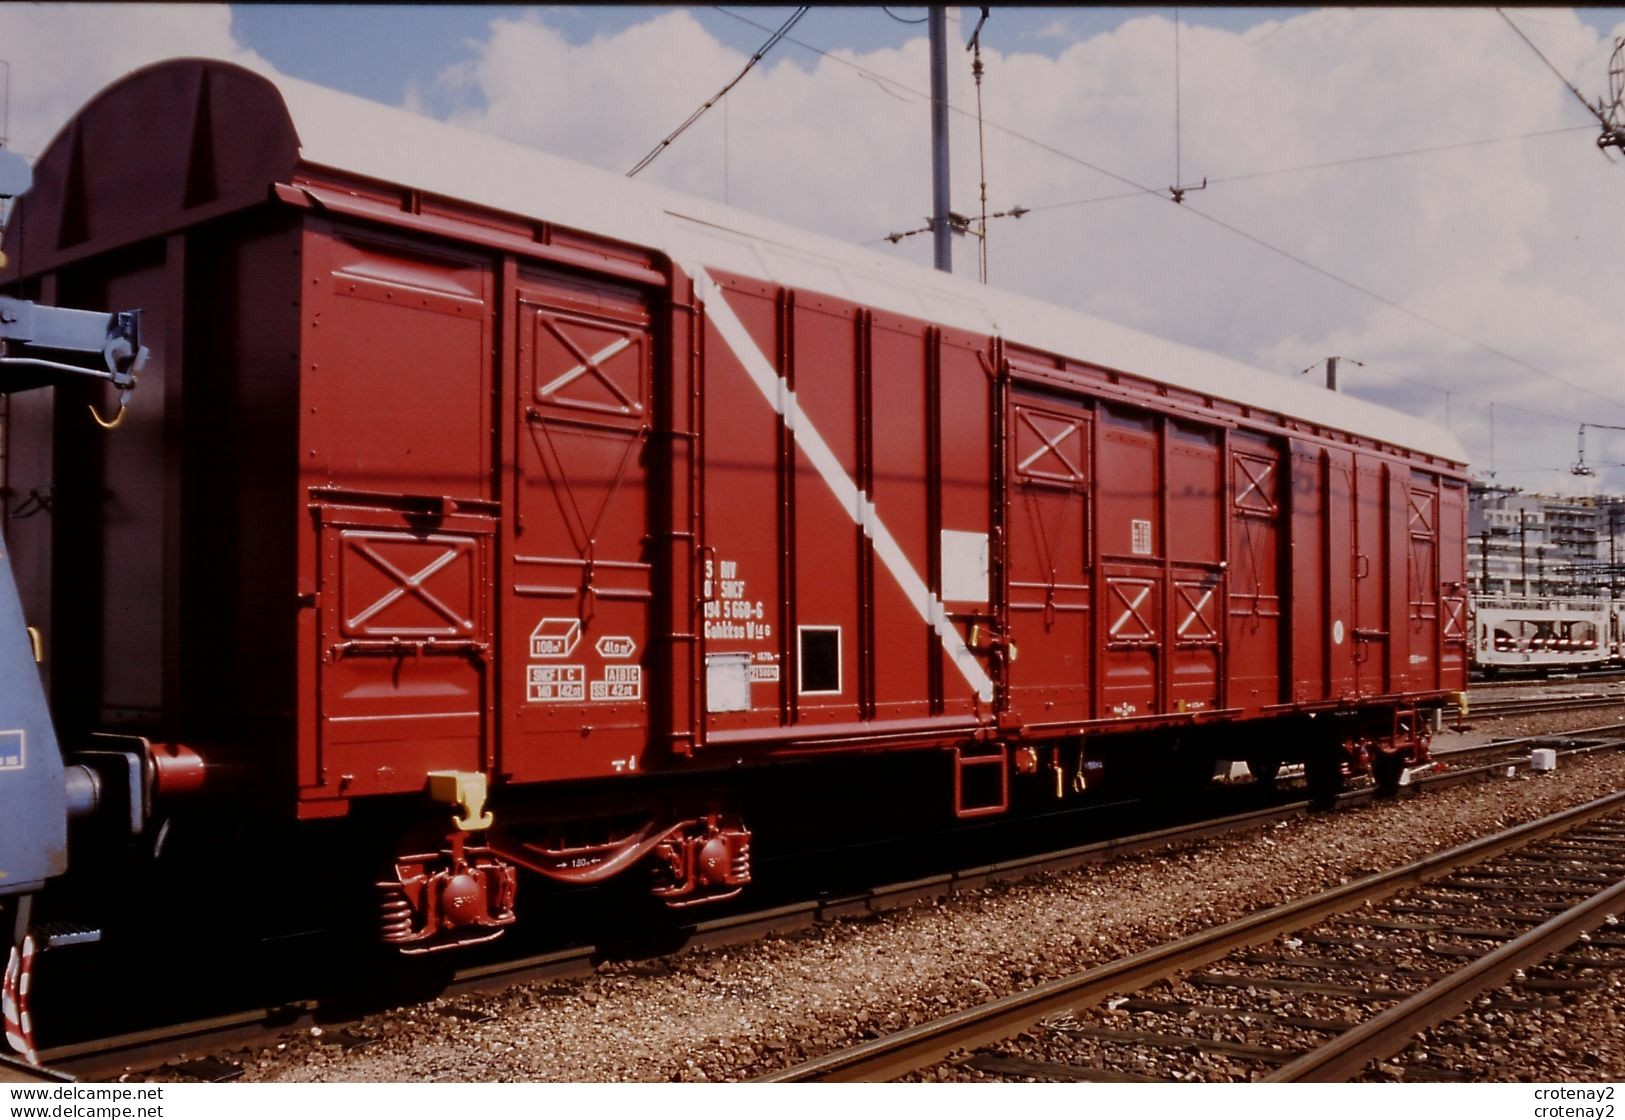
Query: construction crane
pixel 1580 466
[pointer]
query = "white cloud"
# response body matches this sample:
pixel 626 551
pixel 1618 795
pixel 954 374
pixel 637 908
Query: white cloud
pixel 1513 245
pixel 61 55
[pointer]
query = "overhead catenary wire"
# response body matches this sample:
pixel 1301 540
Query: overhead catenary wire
pixel 1326 165
pixel 1578 96
pixel 1612 135
pixel 981 146
pixel 720 94
pixel 1179 172
pixel 6 204
pixel 1402 309
pixel 1411 379
pixel 1144 190
pixel 925 96
pixel 1491 404
pixel 1178 190
pixel 887 84
pixel 1401 154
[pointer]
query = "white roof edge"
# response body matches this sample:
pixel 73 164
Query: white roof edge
pixel 393 145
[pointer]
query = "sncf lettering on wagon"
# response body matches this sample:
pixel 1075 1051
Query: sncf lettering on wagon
pixel 555 683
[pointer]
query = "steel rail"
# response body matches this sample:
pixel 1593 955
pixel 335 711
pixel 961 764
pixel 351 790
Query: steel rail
pixel 96 1058
pixel 16 1071
pixel 1391 1031
pixel 103 1057
pixel 1532 705
pixel 1486 760
pixel 1601 728
pixel 916 1047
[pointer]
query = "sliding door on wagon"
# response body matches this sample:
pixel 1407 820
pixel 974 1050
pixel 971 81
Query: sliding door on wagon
pixel 845 520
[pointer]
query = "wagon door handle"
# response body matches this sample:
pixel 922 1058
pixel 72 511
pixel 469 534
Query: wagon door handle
pixel 1362 565
pixel 987 640
pixel 706 556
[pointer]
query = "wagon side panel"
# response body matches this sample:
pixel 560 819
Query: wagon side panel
pixel 1051 562
pixel 967 554
pixel 1197 575
pixel 239 579
pixel 1131 611
pixel 899 479
pixel 395 445
pixel 831 574
pixel 1454 628
pixel 117 510
pixel 1310 607
pixel 1372 558
pixel 575 648
pixel 1258 533
pixel 1418 591
pixel 748 521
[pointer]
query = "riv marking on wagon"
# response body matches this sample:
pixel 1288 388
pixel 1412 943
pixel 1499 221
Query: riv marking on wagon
pixel 856 503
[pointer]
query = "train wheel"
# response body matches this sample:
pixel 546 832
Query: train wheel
pixel 1264 769
pixel 1389 772
pixel 1188 773
pixel 1323 770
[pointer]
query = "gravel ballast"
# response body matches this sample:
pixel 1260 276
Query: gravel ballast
pixel 728 1015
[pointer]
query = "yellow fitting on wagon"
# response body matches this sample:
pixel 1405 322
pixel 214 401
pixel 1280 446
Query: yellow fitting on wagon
pixel 467 791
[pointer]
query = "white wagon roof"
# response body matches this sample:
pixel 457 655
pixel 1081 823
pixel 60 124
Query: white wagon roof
pixel 362 137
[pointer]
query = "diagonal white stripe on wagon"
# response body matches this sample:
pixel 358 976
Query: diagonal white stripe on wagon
pixel 824 460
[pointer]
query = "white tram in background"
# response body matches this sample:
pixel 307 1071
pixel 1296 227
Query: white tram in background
pixel 1546 635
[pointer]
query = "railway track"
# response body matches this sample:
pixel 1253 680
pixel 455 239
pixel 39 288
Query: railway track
pixel 1365 966
pixel 1498 707
pixel 15 1071
pixel 107 1058
pixel 1537 680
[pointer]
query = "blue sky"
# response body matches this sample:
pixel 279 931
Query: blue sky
pixel 1411 189
pixel 377 50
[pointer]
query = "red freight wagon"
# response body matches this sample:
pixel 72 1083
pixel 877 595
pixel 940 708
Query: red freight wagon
pixel 468 477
